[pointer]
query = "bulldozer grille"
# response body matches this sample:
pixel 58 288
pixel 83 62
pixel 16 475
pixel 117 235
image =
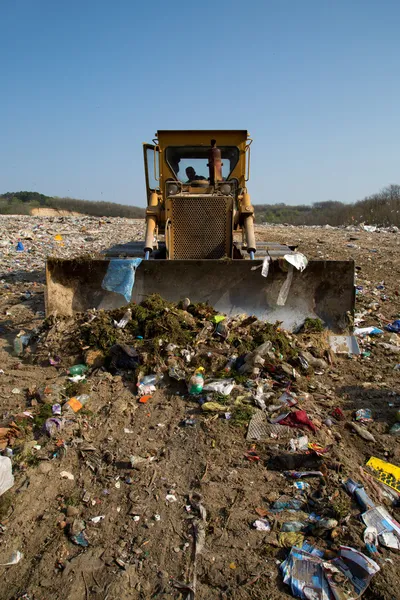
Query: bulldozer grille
pixel 201 227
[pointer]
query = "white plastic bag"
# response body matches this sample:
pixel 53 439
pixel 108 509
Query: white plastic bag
pixel 6 476
pixel 221 386
pixel 298 260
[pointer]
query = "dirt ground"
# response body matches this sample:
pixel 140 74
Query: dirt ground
pixel 53 212
pixel 143 547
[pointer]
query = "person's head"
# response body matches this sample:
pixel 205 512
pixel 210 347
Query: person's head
pixel 213 143
pixel 191 173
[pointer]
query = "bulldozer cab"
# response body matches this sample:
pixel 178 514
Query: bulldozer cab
pixel 195 182
pixel 183 156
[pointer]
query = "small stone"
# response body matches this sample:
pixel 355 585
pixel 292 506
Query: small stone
pixel 72 511
pixel 45 467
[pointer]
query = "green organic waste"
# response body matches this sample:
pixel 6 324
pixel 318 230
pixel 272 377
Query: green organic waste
pixel 241 414
pixel 312 326
pixel 45 413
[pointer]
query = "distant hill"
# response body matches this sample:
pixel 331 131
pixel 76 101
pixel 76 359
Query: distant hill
pixel 26 203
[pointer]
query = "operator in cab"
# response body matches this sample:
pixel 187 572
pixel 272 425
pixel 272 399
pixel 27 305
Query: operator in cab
pixel 192 176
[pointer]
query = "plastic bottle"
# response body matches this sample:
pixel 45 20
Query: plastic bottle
pixel 147 383
pixel 229 365
pixel 78 370
pixel 18 346
pixel 196 382
pixel 125 319
pixel 20 342
pixel 395 430
pixel 75 404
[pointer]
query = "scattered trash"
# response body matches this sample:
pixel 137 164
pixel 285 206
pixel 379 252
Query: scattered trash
pixel 301 485
pixel 78 370
pixel 371 540
pixel 358 491
pixel 15 558
pixel 260 430
pixel 147 384
pixel 144 399
pixel 387 528
pixel 394 327
pixel 395 429
pixel 385 472
pixel 338 414
pixel 362 432
pixel 363 331
pixel 301 474
pixel 390 347
pixel 75 404
pixel 53 426
pixel 125 319
pixel 297 418
pixel 311 577
pixel 299 444
pixel 213 407
pixel 262 525
pixel 364 415
pixel 79 539
pixel 221 386
pixel 67 475
pixel 97 519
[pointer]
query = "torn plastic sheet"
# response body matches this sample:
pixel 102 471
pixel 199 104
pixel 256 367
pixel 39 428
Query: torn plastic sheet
pixel 310 577
pixel 120 276
pixel 221 386
pixel 284 291
pixel 265 266
pixel 297 260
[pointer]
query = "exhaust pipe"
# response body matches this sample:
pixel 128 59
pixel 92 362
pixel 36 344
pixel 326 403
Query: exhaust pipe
pixel 151 223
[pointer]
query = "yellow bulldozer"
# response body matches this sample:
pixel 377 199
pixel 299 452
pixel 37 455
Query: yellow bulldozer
pixel 200 244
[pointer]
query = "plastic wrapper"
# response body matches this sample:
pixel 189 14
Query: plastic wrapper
pixel 6 476
pixel 221 386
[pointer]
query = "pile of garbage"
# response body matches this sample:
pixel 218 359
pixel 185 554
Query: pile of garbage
pixel 26 241
pixel 228 365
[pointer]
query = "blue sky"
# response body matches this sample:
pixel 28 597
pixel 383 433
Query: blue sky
pixel 84 83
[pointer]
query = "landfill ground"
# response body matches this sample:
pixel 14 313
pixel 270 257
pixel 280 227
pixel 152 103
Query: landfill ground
pixel 145 546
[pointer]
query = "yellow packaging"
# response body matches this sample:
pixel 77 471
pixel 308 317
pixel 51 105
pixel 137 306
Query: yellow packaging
pixel 385 472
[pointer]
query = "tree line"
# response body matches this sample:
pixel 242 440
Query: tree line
pixel 21 203
pixel 382 209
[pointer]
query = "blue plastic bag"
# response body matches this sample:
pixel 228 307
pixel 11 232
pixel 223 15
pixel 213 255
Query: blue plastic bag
pixel 394 327
pixel 120 276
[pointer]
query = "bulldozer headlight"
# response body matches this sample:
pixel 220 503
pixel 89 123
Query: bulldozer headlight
pixel 172 189
pixel 225 188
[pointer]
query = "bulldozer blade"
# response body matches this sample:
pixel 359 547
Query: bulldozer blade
pixel 324 290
